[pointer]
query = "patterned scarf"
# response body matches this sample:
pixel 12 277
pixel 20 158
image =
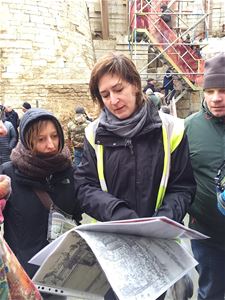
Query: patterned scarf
pixel 39 166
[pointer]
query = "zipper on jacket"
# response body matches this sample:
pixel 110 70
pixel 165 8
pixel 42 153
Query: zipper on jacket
pixel 48 180
pixel 128 143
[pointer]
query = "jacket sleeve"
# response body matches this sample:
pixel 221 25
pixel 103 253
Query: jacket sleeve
pixel 13 137
pixel 93 201
pixel 181 187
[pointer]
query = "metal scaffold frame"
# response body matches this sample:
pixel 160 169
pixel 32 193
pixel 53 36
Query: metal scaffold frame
pixel 167 43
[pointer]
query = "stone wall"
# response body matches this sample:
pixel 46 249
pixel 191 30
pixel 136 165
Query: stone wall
pixel 46 54
pixel 59 98
pixel 189 104
pixel 118 16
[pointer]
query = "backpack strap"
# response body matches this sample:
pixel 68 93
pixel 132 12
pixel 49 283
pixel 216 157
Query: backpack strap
pixel 45 199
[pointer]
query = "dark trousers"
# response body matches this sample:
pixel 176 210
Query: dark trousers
pixel 211 270
pixel 169 95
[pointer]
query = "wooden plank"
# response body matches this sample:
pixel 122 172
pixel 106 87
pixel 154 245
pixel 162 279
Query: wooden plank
pixel 104 19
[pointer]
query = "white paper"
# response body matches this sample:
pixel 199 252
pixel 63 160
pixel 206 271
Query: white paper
pixel 39 258
pixel 158 227
pixel 72 266
pixel 139 267
pixel 140 258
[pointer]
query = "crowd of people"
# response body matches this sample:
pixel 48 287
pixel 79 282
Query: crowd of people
pixel 151 164
pixel 161 95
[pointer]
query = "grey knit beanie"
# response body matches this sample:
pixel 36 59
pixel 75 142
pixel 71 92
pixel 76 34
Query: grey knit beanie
pixel 214 73
pixel 33 115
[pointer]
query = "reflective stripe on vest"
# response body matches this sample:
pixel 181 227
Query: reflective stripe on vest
pixel 172 132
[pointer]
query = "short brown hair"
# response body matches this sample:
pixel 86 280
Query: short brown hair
pixel 115 64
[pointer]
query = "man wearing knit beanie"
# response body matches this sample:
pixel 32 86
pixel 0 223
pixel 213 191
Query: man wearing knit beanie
pixel 206 135
pixel 214 75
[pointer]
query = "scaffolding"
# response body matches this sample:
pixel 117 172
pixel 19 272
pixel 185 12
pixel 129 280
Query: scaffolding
pixel 169 42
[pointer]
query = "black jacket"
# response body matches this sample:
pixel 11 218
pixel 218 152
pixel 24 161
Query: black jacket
pixel 26 219
pixel 13 118
pixel 149 86
pixel 168 81
pixel 133 170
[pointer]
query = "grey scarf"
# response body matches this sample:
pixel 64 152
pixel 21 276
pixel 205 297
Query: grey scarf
pixel 124 128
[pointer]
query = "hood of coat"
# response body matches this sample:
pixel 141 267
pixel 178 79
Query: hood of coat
pixel 33 115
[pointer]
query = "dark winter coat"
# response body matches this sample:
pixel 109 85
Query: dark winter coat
pixel 149 86
pixel 207 143
pixel 133 172
pixel 7 143
pixel 12 117
pixel 166 17
pixel 26 219
pixel 168 81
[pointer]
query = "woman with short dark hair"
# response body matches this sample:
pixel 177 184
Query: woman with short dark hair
pixel 136 161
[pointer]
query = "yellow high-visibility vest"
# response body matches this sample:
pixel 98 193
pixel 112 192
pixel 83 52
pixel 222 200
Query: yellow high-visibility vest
pixel 172 132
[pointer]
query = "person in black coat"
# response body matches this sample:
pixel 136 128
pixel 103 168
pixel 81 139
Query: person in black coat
pixel 166 15
pixel 130 131
pixel 125 155
pixel 168 86
pixel 12 116
pixel 150 85
pixel 39 163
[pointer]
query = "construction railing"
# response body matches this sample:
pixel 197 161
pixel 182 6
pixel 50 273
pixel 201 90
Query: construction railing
pixel 146 24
